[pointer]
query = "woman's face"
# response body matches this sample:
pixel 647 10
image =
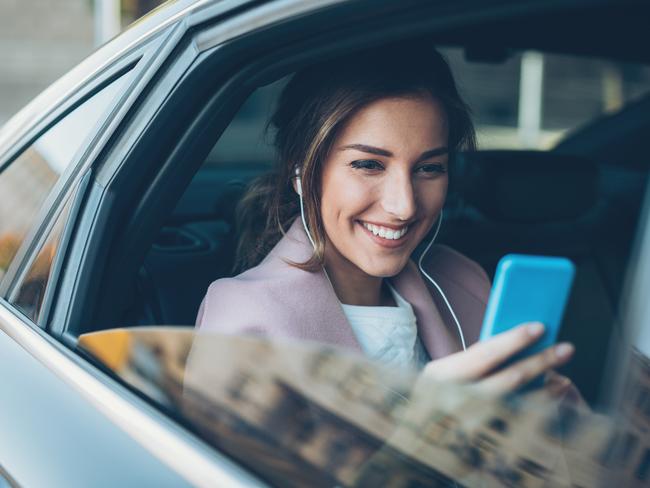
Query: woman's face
pixel 384 183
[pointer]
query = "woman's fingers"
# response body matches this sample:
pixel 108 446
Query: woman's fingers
pixel 525 370
pixel 556 384
pixel 480 361
pixel 483 357
pixel 562 388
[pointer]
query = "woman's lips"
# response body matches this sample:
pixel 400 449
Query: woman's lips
pixel 383 241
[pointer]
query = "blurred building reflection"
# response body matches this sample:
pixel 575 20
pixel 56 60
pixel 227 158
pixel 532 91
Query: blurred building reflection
pixel 305 416
pixel 24 183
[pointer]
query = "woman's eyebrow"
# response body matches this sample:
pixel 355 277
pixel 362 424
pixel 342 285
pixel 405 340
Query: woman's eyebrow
pixel 368 149
pixel 384 152
pixel 432 153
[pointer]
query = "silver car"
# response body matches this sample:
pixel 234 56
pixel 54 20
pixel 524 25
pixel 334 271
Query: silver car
pixel 117 194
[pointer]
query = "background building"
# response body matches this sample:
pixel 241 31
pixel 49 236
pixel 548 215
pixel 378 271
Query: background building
pixel 40 40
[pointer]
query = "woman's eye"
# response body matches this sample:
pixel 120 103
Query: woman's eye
pixel 431 169
pixel 368 164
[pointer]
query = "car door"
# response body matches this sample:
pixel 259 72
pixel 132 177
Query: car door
pixel 45 419
pixel 58 424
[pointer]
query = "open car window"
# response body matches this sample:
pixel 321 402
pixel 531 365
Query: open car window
pixel 310 415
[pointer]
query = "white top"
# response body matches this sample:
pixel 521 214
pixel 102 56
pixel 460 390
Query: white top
pixel 388 334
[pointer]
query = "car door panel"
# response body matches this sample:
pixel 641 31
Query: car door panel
pixel 50 435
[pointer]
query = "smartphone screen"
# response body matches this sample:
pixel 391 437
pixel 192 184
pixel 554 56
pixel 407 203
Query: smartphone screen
pixel 529 289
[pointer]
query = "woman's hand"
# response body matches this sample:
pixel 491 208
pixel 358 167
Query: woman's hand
pixel 562 388
pixel 480 362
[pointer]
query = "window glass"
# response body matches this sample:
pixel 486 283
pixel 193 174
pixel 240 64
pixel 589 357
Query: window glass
pixel 308 415
pixel 28 180
pixel 32 290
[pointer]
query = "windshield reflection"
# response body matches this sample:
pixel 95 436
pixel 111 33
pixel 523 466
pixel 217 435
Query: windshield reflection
pixel 312 415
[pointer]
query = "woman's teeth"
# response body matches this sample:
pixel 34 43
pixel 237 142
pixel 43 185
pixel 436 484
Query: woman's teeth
pixel 385 232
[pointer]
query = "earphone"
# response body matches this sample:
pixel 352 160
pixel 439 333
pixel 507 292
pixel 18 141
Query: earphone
pixel 298 184
pixel 298 189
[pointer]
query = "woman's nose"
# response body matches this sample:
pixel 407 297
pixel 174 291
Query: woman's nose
pixel 398 198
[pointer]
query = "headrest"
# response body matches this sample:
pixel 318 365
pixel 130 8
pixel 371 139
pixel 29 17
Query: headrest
pixel 527 186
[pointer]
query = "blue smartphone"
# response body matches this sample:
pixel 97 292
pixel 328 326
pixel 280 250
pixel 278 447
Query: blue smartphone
pixel 528 289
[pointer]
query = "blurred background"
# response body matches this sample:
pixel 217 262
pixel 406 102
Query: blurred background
pixel 40 40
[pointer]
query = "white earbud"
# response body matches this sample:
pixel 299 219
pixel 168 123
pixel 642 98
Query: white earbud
pixel 451 310
pixel 297 185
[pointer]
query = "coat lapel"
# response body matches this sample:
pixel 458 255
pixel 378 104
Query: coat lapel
pixel 434 334
pixel 324 320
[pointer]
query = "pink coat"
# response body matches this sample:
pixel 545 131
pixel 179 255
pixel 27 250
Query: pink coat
pixel 277 300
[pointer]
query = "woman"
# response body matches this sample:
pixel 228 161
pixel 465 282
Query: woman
pixel 365 145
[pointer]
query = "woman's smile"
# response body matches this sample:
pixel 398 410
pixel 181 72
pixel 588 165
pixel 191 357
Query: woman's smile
pixel 385 235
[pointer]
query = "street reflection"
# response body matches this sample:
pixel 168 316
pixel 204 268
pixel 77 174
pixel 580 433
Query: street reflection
pixel 310 415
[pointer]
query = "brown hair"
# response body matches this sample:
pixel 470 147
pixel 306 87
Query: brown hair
pixel 313 106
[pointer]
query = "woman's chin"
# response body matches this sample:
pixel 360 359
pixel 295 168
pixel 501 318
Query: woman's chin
pixel 385 270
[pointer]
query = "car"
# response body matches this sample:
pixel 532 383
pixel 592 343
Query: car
pixel 118 188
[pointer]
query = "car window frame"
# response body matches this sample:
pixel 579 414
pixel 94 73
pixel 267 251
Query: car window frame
pixel 66 182
pixel 234 83
pixel 72 200
pixel 268 67
pixel 126 127
pixel 135 62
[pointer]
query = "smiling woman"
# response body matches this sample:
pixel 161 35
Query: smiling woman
pixel 364 147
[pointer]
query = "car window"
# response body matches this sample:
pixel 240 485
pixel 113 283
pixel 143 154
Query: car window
pixel 29 179
pixel 32 289
pixel 319 417
pixel 314 415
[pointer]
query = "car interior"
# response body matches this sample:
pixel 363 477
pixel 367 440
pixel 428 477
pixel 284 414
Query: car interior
pixel 561 202
pixel 581 198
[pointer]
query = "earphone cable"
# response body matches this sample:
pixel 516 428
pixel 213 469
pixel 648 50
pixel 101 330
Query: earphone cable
pixel 444 297
pixel 304 221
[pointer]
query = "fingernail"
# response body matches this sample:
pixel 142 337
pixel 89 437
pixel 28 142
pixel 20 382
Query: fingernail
pixel 535 329
pixel 564 350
